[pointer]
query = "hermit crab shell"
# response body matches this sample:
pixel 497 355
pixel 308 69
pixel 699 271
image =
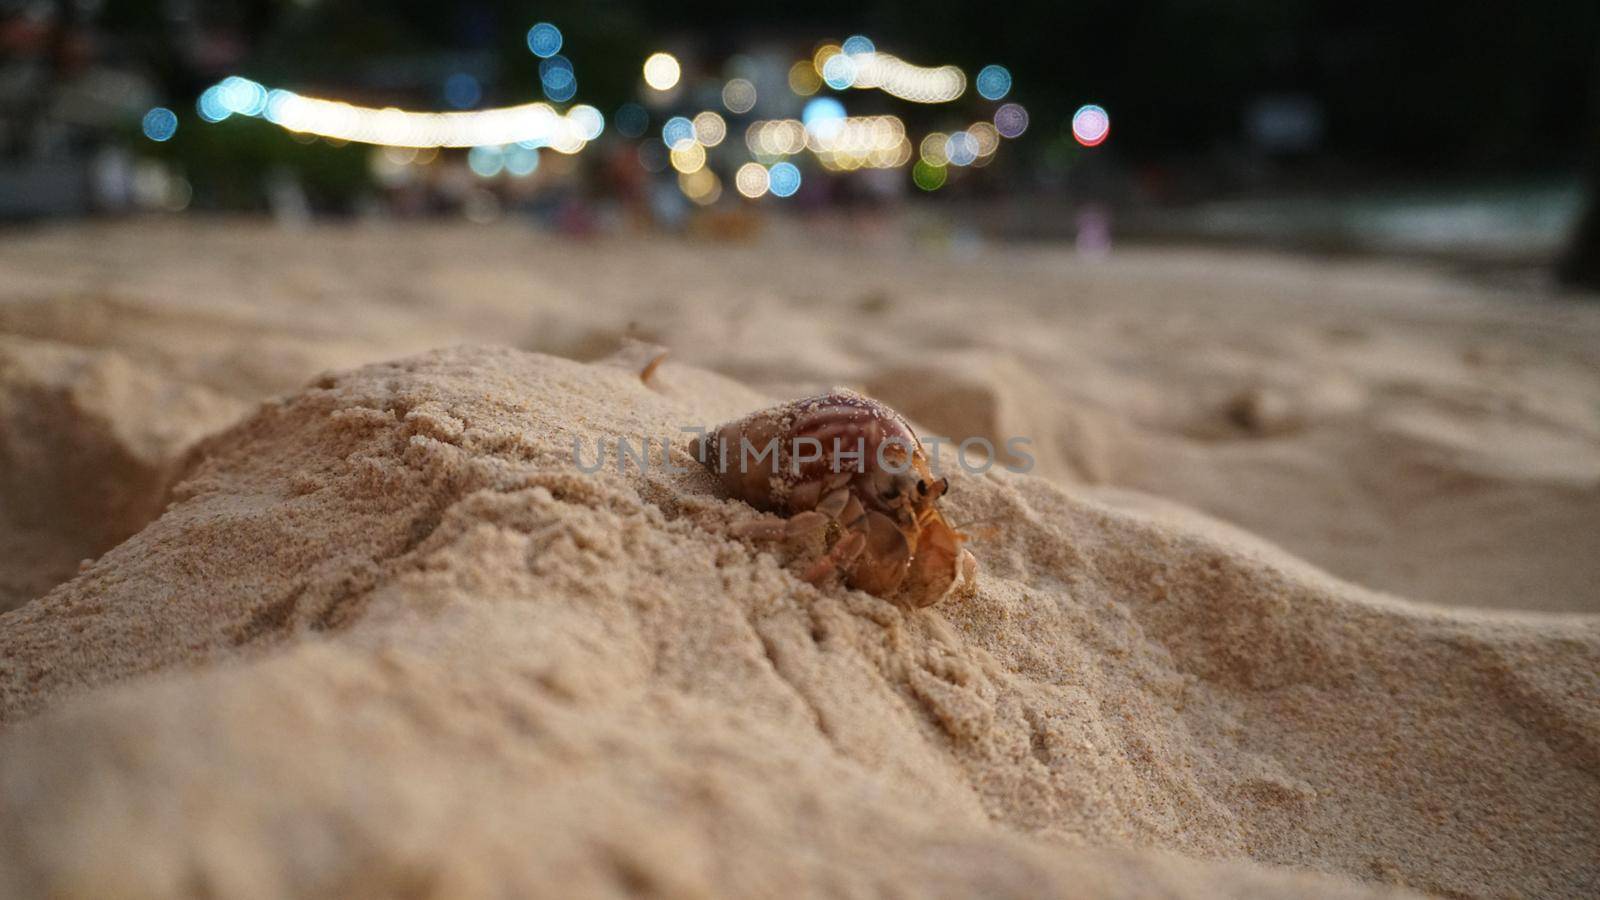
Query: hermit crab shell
pixel 763 458
pixel 856 463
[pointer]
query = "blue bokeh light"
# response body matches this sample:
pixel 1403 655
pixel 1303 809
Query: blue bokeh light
pixel 160 124
pixel 821 110
pixel 556 71
pixel 783 179
pixel 242 96
pixel 677 130
pixel 994 82
pixel 210 105
pixel 557 78
pixel 462 91
pixel 486 162
pixel 544 40
pixel 961 149
pixel 839 72
pixel 521 161
pixel 632 120
pixel 857 44
pixel 561 93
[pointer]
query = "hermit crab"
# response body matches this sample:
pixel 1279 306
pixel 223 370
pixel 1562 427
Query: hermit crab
pixel 847 472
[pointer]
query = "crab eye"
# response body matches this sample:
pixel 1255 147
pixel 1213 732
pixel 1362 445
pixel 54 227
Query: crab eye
pixel 944 485
pixel 922 487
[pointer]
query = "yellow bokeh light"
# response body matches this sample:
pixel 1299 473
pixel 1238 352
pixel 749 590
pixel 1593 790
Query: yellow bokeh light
pixel 661 71
pixel 898 78
pixel 709 128
pixel 857 134
pixel 803 78
pixel 688 157
pixel 776 137
pixel 702 186
pixel 339 122
pixel 902 154
pixel 932 149
pixel 751 180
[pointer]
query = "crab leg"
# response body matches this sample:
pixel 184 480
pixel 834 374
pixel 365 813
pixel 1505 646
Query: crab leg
pixel 761 529
pixel 840 557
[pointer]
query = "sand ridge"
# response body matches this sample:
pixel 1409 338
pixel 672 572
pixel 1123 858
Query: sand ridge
pixel 1405 430
pixel 400 644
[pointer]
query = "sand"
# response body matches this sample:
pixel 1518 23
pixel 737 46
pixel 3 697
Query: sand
pixel 1301 596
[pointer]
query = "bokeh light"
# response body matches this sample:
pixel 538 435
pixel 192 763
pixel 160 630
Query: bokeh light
pixel 783 179
pixel 661 71
pixel 702 186
pixel 876 142
pixel 987 137
pixel 242 96
pixel 751 180
pixel 632 120
pixel 739 95
pixel 822 115
pixel 508 140
pixel 589 121
pixel 803 79
pixel 1091 125
pixel 1011 120
pixel 688 156
pixel 531 124
pixel 160 124
pixel 558 79
pixel 993 82
pixel 678 130
pixel 486 162
pixel 898 78
pixel 462 91
pixel 521 161
pixel 210 105
pixel 709 128
pixel 776 137
pixel 824 52
pixel 544 40
pixel 276 100
pixel 839 72
pixel 928 176
pixel 858 44
pixel 961 149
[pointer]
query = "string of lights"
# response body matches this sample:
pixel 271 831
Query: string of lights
pixel 507 139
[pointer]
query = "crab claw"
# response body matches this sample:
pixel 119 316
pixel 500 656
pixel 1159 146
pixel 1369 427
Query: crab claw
pixel 941 568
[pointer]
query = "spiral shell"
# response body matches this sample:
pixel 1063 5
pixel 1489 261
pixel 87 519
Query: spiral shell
pixel 851 469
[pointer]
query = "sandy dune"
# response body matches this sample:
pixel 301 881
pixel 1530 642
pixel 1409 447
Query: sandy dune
pixel 399 644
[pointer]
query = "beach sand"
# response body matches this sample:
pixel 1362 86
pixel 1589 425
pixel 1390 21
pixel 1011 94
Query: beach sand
pixel 309 597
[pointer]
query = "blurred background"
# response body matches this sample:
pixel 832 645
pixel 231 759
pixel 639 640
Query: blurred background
pixel 1457 132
